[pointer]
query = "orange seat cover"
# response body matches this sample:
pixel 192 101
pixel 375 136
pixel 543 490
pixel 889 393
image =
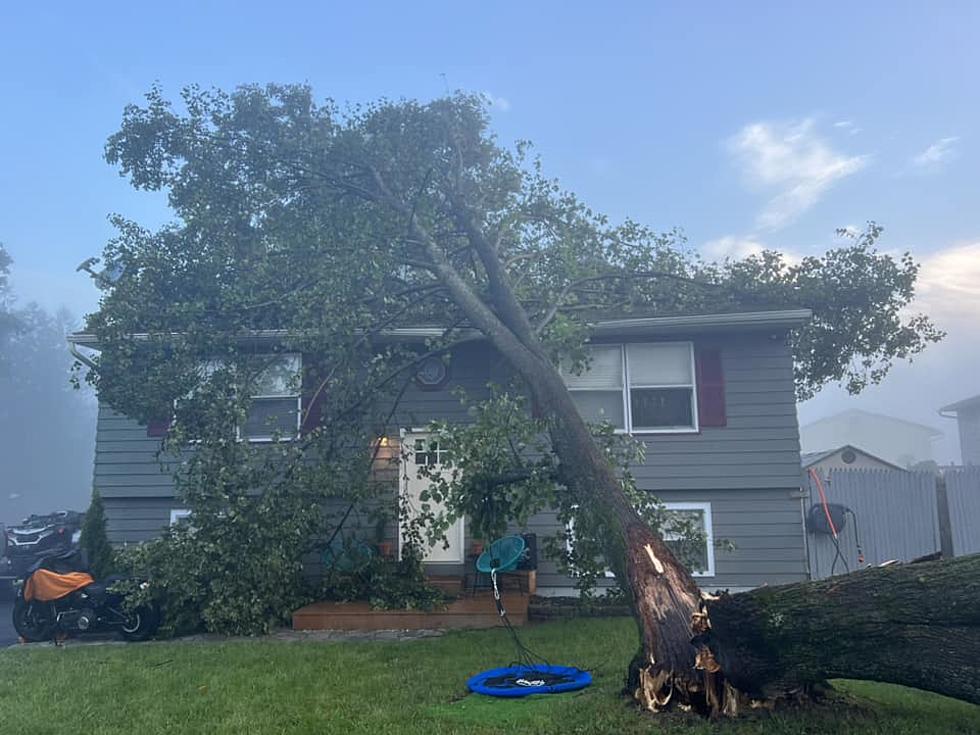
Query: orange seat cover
pixel 45 586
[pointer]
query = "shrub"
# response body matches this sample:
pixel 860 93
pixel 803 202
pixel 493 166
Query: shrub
pixel 94 542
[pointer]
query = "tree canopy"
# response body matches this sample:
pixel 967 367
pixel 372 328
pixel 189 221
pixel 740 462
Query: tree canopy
pixel 302 215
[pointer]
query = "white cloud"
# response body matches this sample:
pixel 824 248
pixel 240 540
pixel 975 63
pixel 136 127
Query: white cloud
pixel 847 126
pixel 497 103
pixel 936 155
pixel 792 161
pixel 741 246
pixel 948 287
pixel 731 246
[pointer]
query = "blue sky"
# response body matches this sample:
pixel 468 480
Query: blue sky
pixel 745 124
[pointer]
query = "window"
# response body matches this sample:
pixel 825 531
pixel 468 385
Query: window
pixel 638 388
pixel 429 453
pixel 178 514
pixel 698 555
pixel 276 408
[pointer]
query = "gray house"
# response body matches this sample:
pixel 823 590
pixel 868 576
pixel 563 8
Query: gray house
pixel 967 413
pixel 711 395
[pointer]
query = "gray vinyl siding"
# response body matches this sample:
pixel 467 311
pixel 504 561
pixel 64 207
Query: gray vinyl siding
pixel 748 470
pixel 764 525
pixel 127 466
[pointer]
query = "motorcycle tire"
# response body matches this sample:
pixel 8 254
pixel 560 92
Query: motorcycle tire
pixel 29 625
pixel 142 624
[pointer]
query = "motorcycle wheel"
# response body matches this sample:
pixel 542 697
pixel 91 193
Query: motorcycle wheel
pixel 29 625
pixel 141 624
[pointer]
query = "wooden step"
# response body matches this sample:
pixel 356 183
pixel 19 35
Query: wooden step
pixel 451 585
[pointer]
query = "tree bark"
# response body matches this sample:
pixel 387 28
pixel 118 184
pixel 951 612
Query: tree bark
pixel 913 624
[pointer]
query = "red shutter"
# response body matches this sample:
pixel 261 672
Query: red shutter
pixel 158 428
pixel 711 388
pixel 314 394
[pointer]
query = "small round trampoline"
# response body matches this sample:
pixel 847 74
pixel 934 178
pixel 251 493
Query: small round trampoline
pixel 522 681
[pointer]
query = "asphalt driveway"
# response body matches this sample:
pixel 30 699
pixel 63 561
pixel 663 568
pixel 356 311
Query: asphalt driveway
pixel 8 636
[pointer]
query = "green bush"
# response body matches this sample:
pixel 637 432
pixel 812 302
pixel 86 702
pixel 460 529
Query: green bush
pixel 94 542
pixel 384 583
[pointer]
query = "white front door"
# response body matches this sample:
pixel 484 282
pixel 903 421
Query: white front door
pixel 418 450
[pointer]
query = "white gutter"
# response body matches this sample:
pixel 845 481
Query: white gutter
pixel 751 319
pixel 84 359
pixel 786 319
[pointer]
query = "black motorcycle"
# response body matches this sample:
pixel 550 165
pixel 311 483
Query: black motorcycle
pixel 56 600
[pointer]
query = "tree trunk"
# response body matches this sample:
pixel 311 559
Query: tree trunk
pixel 913 624
pixel 665 599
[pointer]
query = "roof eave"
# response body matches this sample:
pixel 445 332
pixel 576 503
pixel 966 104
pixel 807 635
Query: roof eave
pixel 692 323
pixel 752 320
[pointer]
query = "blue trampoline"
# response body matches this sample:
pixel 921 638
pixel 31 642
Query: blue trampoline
pixel 522 681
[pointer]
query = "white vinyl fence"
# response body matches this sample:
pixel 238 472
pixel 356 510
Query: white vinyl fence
pixel 963 498
pixel 893 514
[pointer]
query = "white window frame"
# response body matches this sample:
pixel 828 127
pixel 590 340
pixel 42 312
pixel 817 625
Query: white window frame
pixel 570 540
pixel 709 536
pixel 178 514
pixel 265 439
pixel 695 427
pixel 709 533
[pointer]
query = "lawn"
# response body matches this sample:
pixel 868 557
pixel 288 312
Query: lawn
pixel 390 687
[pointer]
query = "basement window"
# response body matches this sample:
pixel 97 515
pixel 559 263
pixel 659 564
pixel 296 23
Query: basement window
pixel 698 555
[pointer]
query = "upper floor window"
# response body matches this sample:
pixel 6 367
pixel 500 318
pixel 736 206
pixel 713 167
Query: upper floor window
pixel 275 411
pixel 646 387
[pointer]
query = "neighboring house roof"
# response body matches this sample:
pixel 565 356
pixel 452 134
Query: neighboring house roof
pixel 966 403
pixel 857 412
pixel 809 459
pixel 620 327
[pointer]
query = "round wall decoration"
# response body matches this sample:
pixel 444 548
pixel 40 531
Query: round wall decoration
pixel 432 373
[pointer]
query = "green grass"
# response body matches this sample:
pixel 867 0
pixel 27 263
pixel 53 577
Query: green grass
pixel 379 688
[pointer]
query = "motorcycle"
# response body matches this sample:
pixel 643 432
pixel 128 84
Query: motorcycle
pixel 56 600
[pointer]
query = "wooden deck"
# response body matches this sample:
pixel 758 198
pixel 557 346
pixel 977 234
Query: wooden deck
pixel 474 610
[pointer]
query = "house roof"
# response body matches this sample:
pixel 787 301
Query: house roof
pixel 931 430
pixel 808 459
pixel 972 402
pixel 620 327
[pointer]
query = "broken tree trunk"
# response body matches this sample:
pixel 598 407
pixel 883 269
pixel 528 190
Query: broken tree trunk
pixel 913 624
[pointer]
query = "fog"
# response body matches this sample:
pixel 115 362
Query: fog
pixel 47 428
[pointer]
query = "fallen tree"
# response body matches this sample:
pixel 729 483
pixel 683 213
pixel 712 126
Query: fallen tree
pixel 334 228
pixel 915 624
